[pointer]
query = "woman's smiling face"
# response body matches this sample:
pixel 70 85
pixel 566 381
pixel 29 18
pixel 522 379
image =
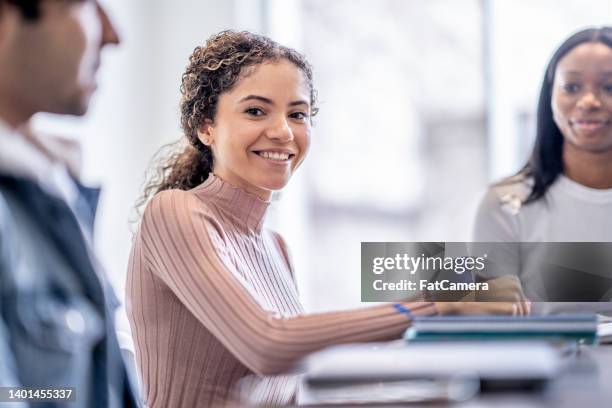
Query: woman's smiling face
pixel 582 97
pixel 261 130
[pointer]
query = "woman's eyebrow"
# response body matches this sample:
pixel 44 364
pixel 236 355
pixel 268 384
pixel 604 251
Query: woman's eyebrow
pixel 299 102
pixel 257 98
pixel 578 71
pixel 571 72
pixel 270 101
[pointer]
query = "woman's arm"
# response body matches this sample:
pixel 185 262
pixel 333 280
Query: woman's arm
pixel 182 246
pixel 497 217
pixel 497 234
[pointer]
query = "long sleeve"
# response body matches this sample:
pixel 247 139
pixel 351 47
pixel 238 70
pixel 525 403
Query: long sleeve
pixel 493 222
pixel 184 245
pixel 9 376
pixel 496 233
pixel 7 367
pixel 8 371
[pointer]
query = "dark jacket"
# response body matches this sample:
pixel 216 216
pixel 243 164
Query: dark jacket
pixel 56 308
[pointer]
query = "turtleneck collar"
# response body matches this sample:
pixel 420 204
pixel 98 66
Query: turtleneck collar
pixel 245 208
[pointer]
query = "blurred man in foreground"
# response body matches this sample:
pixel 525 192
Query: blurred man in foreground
pixel 56 307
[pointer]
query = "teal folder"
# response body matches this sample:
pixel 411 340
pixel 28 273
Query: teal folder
pixel 572 327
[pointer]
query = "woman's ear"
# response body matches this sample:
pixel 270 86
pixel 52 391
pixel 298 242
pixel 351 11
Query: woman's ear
pixel 206 133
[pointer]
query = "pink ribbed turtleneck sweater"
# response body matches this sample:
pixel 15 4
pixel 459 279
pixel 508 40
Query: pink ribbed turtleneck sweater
pixel 211 299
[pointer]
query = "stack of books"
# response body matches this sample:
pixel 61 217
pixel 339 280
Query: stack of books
pixel 570 327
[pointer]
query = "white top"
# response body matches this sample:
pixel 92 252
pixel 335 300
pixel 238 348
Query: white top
pixel 569 212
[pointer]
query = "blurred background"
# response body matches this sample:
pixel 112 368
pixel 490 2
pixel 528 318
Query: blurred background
pixel 423 104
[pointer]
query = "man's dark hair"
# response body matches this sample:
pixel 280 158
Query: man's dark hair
pixel 30 9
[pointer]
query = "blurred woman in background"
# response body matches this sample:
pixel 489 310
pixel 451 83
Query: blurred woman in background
pixel 564 192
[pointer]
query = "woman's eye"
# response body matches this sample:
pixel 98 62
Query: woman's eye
pixel 608 88
pixel 298 115
pixel 571 88
pixel 254 112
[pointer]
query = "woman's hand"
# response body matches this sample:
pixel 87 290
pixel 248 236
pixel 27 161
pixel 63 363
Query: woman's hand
pixel 504 297
pixel 474 308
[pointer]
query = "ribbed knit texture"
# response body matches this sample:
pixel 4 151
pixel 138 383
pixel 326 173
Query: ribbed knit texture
pixel 211 299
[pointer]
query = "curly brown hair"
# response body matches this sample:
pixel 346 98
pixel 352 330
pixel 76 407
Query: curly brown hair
pixel 213 69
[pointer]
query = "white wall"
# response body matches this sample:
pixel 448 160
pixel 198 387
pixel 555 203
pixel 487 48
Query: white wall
pixel 521 37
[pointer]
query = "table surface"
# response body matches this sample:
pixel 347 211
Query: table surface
pixel 585 382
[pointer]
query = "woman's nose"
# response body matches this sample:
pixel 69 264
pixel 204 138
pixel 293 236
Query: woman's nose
pixel 280 130
pixel 589 101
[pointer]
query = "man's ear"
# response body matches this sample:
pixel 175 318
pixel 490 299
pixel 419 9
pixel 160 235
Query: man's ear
pixel 206 132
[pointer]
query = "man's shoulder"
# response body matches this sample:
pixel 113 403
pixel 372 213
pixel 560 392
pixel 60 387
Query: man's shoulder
pixel 4 215
pixel 20 194
pixel 26 209
pixel 5 209
pixel 15 195
pixel 6 231
pixel 16 185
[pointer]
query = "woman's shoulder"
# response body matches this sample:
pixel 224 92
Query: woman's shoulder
pixel 172 198
pixel 509 194
pixel 182 206
pixel 496 218
pixel 180 215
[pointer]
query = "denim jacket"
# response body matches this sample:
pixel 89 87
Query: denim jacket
pixel 56 310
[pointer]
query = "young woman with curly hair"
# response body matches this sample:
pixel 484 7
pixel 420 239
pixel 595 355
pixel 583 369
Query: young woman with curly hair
pixel 211 293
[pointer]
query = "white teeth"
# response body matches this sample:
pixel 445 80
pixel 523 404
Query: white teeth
pixel 274 155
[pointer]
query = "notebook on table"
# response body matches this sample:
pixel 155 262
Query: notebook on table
pixel 570 327
pixel 425 372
